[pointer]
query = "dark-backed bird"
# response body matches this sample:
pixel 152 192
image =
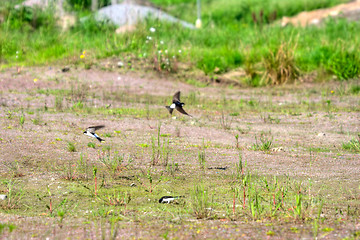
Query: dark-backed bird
pixel 90 131
pixel 176 104
pixel 168 199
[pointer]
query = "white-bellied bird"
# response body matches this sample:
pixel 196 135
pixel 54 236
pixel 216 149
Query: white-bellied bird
pixel 90 131
pixel 176 104
pixel 168 199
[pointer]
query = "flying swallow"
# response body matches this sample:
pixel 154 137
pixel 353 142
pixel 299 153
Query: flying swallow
pixel 167 199
pixel 90 131
pixel 176 104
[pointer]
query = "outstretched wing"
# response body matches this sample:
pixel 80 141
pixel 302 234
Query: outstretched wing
pixel 180 109
pixel 92 129
pixel 170 109
pixel 176 97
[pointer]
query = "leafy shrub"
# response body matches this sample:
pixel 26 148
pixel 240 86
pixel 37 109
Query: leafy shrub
pixel 320 55
pixel 228 11
pixel 344 65
pixel 26 18
pixel 91 26
pixel 355 89
pixel 219 61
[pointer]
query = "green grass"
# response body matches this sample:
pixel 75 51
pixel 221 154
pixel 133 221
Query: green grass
pixel 22 119
pixel 71 147
pixel 137 167
pixel 279 198
pixel 352 145
pixel 265 144
pixel 226 42
pixel 229 108
pixel 235 12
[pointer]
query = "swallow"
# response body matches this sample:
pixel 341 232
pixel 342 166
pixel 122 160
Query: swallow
pixel 90 131
pixel 176 104
pixel 167 199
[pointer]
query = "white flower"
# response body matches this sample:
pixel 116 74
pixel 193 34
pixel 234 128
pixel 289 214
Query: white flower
pixel 147 41
pixel 161 42
pixel 17 52
pixel 180 51
pixel 152 29
pixel 17 56
pixel 160 51
pixel 166 51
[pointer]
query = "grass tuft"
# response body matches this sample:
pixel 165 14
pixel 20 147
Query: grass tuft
pixel 71 147
pixel 280 66
pixel 265 144
pixel 201 203
pixel 353 145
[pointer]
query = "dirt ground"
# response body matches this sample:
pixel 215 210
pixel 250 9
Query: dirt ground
pixel 307 124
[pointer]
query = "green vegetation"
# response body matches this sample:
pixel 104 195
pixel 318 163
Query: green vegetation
pixel 265 143
pixel 71 147
pixel 146 157
pixel 235 34
pixel 22 119
pixel 352 145
pixel 250 163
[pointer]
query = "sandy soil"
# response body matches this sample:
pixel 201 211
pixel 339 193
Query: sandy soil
pixel 35 145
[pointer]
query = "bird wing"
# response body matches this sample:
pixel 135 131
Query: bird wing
pixel 180 109
pixel 170 109
pixel 92 129
pixel 176 97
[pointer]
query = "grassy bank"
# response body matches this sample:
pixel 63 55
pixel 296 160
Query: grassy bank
pixel 230 39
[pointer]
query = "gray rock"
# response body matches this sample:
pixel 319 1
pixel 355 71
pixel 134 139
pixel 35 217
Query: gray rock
pixel 131 14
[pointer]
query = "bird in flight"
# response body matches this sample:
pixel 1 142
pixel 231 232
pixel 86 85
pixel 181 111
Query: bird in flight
pixel 176 104
pixel 90 131
pixel 167 199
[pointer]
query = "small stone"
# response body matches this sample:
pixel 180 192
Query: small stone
pixel 321 135
pixel 3 197
pixel 174 117
pixel 133 185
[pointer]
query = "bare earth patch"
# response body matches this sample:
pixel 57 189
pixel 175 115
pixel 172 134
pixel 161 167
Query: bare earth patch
pixel 306 127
